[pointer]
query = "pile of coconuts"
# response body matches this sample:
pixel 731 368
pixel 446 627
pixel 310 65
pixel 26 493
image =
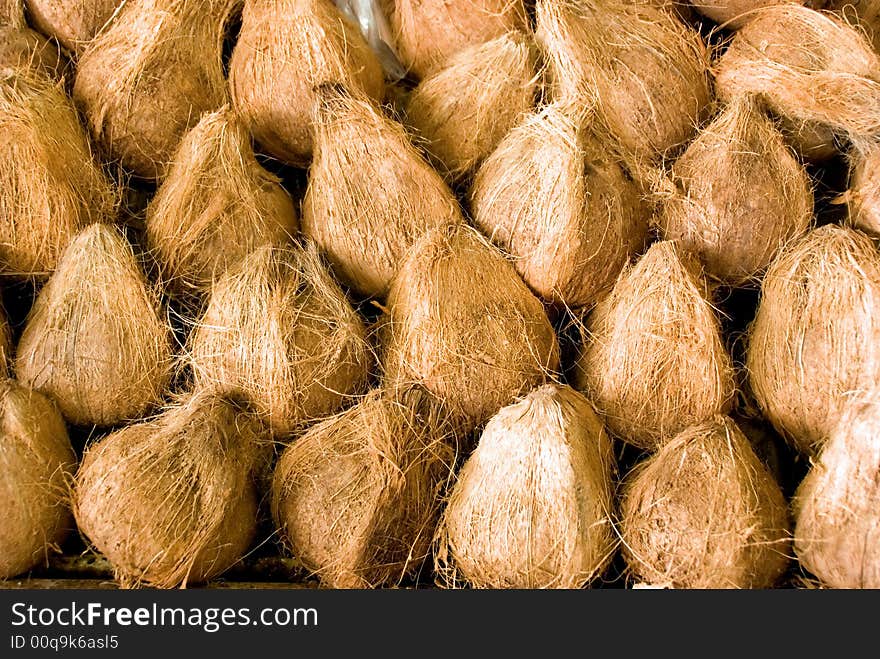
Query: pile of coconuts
pixel 441 293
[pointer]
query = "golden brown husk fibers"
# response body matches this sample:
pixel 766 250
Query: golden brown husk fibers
pixel 465 109
pixel 279 331
pixel 704 512
pixel 371 194
pixel 837 536
pixel 74 23
pixel 147 79
pixel 815 340
pixel 653 359
pixel 461 322
pixel 357 496
pixel 95 339
pixel 216 206
pixel 806 65
pixel 737 195
pixel 532 507
pixel 36 464
pixel 285 49
pixel 553 197
pixel 863 196
pixel 733 14
pixel 430 32
pixel 171 501
pixel 50 186
pixel 646 72
pixel 21 47
pixel 865 14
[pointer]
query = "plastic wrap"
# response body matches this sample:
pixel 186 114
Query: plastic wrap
pixel 373 23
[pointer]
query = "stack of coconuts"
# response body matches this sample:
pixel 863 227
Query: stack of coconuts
pixel 485 293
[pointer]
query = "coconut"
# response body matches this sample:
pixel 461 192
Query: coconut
pixel 216 206
pixel 737 195
pixel 465 109
pixel 653 360
pixel 95 340
pixel 50 187
pixel 285 49
pixel 807 66
pixel 554 198
pixel 22 47
pixel 146 80
pixel 815 340
pixel 279 331
pixel 461 321
pixel 837 536
pixel 646 72
pixel 734 14
pixel 356 498
pixel 73 24
pixel 532 507
pixel 704 512
pixel 430 32
pixel 371 195
pixel 36 462
pixel 171 501
pixel 812 141
pixel 863 196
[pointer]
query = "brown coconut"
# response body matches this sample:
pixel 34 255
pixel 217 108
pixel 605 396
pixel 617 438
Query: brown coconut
pixel 279 331
pixel 645 71
pixel 371 194
pixel 430 32
pixel 737 195
pixel 555 199
pixel 806 65
pixel 863 196
pixel 146 80
pixel 50 186
pixel 285 49
pixel 216 206
pixel 704 512
pixel 95 339
pixel 460 321
pixel 171 501
pixel 653 360
pixel 20 46
pixel 733 14
pixel 815 340
pixel 356 498
pixel 837 536
pixel 532 506
pixel 74 23
pixel 36 465
pixel 812 141
pixel 465 109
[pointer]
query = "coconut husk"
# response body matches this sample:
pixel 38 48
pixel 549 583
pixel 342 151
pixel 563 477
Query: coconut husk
pixel 216 206
pixel 863 196
pixel 21 47
pixel 73 24
pixel 532 507
pixel 430 32
pixel 812 141
pixel 36 463
pixel 50 186
pixel 356 498
pixel 653 360
pixel 465 109
pixel 460 321
pixel 95 339
pixel 733 14
pixel 279 331
pixel 736 195
pixel 815 340
pixel 864 14
pixel 371 194
pixel 806 65
pixel 286 48
pixel 837 536
pixel 171 501
pixel 554 198
pixel 704 512
pixel 146 80
pixel 646 72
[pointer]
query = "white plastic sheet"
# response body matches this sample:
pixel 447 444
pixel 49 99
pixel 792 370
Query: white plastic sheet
pixel 373 23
